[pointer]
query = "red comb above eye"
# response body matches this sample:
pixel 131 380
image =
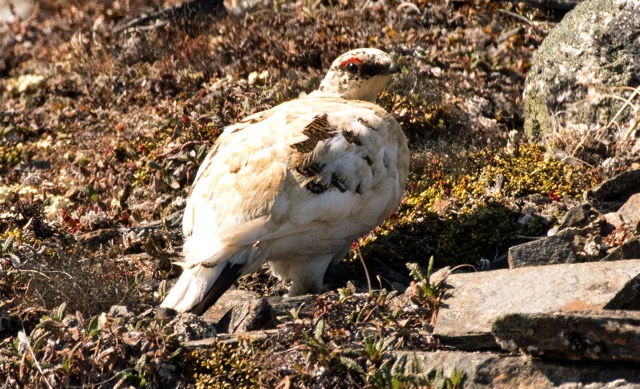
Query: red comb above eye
pixel 354 60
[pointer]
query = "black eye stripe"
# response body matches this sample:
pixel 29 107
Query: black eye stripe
pixel 371 69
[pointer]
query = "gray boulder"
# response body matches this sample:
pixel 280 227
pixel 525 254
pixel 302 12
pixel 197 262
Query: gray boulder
pixel 588 62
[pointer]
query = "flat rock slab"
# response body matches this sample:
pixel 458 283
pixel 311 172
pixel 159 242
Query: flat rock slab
pixel 473 301
pixel 493 370
pixel 612 336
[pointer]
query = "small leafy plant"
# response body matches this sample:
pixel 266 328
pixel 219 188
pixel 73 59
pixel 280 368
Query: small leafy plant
pixel 428 292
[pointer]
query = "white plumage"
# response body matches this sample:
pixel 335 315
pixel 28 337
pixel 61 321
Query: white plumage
pixel 294 185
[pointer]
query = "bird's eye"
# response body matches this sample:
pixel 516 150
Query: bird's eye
pixel 352 68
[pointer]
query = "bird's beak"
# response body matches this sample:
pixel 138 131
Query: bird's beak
pixel 392 69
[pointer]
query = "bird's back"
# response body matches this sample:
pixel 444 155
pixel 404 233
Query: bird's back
pixel 309 175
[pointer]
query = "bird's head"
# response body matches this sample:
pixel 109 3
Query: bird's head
pixel 359 74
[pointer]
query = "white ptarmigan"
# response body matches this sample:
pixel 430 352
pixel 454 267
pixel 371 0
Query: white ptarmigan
pixel 294 185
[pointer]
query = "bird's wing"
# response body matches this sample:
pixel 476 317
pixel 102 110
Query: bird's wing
pixel 311 163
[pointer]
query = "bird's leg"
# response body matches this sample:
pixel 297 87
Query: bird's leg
pixel 306 274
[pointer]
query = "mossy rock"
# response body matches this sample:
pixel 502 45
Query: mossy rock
pixel 581 75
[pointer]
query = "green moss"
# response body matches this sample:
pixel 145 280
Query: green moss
pixel 224 365
pixel 496 175
pixel 14 233
pixel 142 176
pixel 10 156
pixel 464 210
pixel 420 112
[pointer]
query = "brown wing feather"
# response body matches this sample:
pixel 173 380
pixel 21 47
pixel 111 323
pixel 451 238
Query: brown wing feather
pixel 318 130
pixel 307 162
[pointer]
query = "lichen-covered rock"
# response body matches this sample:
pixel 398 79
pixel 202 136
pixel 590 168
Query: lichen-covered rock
pixel 580 77
pixel 188 326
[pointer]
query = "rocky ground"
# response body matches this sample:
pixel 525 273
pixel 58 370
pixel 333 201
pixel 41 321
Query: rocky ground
pixel 104 126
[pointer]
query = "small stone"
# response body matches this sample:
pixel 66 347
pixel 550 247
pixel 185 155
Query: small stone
pixel 630 212
pixel 250 316
pixel 163 313
pixel 576 217
pixel 614 221
pixel 256 78
pixel 569 233
pixel 593 246
pixel 103 321
pixel 118 311
pixel 544 251
pixel 24 82
pixel 228 301
pixel 579 241
pixel 251 79
pixel 189 327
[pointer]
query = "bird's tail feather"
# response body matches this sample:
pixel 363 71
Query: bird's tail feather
pixel 200 286
pixel 229 274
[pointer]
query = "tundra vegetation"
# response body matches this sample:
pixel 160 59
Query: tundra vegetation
pixel 102 131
